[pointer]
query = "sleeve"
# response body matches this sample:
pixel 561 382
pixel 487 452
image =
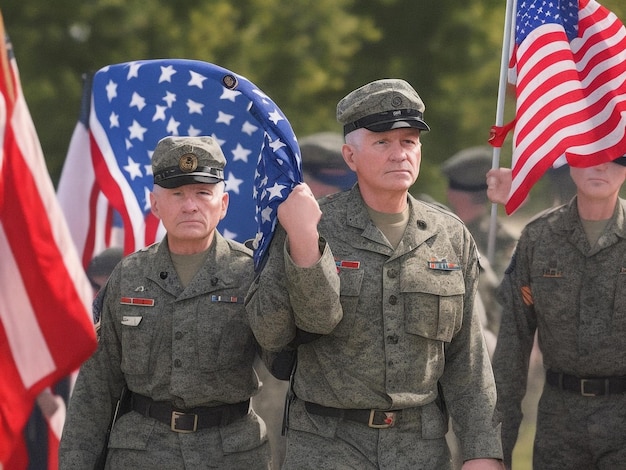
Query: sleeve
pixel 285 297
pixel 515 343
pixel 467 382
pixel 97 389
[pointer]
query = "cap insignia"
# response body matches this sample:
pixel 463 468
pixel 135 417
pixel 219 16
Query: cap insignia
pixel 188 163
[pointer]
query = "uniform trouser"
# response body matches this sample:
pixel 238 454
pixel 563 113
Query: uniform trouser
pixel 577 432
pixel 139 443
pixel 416 442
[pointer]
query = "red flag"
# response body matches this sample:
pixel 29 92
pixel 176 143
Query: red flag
pixel 45 325
pixel 569 68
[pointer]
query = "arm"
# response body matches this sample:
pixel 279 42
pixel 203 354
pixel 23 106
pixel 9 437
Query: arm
pixel 298 286
pixel 97 389
pixel 299 215
pixel 514 346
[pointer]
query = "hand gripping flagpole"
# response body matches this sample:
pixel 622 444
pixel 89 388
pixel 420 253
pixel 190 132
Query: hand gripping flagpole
pixel 495 163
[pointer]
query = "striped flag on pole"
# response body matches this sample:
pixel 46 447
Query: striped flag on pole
pixel 568 65
pixel 46 330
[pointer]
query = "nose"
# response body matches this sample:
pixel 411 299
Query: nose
pixel 190 204
pixel 398 151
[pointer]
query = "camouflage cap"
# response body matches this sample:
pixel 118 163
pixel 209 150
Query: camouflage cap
pixel 322 150
pixel 380 106
pixel 322 160
pixel 466 170
pixel 103 263
pixel 187 160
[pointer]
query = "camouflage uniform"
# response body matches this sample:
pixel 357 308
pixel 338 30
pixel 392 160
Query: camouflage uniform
pixel 574 296
pixel 392 329
pixel 189 348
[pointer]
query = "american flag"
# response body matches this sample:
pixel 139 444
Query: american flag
pixel 92 221
pixel 569 68
pixel 44 293
pixel 135 104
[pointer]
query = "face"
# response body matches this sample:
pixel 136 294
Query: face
pixel 384 161
pixel 190 214
pixel 600 182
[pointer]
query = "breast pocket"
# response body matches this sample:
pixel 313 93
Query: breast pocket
pixel 433 303
pixel 224 337
pixel 350 290
pixel 138 326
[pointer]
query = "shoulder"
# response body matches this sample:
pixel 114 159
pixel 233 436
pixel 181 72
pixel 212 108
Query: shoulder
pixel 139 257
pixel 239 249
pixel 436 211
pixel 334 200
pixel 543 220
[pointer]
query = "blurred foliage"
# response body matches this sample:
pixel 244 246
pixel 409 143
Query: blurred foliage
pixel 305 54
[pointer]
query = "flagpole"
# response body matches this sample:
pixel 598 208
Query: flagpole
pixel 495 163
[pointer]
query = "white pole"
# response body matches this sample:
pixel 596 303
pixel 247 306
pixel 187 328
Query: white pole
pixel 495 163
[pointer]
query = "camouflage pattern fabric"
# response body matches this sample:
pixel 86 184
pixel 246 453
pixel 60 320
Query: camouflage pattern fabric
pixel 191 347
pixel 395 324
pixel 574 296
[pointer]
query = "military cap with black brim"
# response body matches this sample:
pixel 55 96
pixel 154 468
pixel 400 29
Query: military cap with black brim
pixel 177 161
pixel 381 106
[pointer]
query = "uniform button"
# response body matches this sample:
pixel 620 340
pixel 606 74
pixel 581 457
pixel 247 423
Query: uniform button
pixel 392 339
pixel 390 363
pixel 393 299
pixel 178 335
pixel 392 273
pixel 177 363
pixel 421 224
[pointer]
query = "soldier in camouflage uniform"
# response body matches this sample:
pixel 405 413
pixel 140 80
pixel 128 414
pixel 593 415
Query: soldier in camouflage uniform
pixel 567 282
pixel 323 168
pixel 467 197
pixel 384 286
pixel 173 329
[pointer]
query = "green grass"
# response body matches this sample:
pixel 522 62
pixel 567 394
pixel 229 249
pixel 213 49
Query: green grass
pixel 523 452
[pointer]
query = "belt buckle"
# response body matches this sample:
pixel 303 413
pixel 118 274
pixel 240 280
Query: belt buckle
pixel 176 415
pixel 582 389
pixel 390 419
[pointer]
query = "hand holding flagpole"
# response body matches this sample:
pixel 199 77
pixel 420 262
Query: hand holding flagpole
pixel 506 47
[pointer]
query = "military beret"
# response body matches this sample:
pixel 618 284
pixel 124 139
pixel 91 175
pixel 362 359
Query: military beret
pixel 186 160
pixel 466 170
pixel 380 106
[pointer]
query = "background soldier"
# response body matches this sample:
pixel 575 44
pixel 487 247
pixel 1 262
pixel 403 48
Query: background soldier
pixel 173 330
pixel 467 197
pixel 566 281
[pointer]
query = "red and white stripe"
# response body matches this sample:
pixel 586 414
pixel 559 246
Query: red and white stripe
pixel 571 97
pixel 45 325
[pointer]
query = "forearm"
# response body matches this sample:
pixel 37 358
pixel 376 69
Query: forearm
pixel 314 293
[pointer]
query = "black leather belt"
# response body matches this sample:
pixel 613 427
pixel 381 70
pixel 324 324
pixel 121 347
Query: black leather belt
pixel 378 419
pixel 587 387
pixel 192 419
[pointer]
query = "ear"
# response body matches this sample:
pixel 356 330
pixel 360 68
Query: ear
pixel 225 200
pixel 347 151
pixel 153 206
